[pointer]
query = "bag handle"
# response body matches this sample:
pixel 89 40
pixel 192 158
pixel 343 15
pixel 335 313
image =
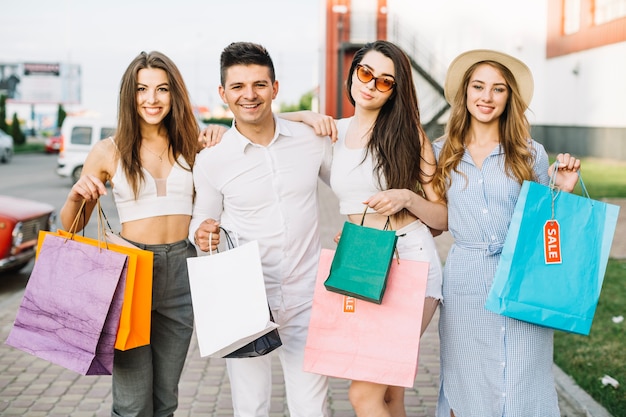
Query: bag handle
pixel 555 191
pixel 101 229
pixel 104 216
pixel 387 227
pixel 387 223
pixel 580 180
pixel 74 225
pixel 229 240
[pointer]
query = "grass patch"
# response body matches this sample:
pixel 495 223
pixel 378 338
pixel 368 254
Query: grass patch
pixel 603 178
pixel 588 358
pixel 29 148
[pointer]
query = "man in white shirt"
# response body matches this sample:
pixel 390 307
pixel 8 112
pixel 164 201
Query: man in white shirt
pixel 261 182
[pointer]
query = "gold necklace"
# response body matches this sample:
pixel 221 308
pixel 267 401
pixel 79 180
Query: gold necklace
pixel 160 156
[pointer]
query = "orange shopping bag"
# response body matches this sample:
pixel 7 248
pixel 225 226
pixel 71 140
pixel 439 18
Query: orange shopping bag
pixel 134 328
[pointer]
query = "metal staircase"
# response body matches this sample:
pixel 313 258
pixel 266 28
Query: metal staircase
pixel 430 76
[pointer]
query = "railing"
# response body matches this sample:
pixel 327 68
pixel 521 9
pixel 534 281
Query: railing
pixel 430 72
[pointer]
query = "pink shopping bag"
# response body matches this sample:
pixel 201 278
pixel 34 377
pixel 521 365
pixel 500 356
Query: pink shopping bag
pixel 364 341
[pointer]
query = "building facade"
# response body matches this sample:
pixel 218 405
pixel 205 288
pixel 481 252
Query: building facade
pixel 576 50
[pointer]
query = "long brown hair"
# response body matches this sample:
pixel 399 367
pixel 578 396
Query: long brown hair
pixel 182 127
pixel 514 133
pixel 397 136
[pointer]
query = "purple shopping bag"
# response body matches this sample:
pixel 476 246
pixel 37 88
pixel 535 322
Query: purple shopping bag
pixel 71 307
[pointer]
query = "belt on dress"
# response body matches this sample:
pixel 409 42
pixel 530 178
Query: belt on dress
pixel 493 248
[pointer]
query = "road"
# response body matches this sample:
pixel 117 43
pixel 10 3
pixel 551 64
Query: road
pixel 33 176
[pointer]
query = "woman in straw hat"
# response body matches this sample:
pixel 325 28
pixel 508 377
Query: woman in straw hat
pixel 491 365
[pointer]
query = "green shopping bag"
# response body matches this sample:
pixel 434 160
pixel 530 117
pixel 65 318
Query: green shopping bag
pixel 362 260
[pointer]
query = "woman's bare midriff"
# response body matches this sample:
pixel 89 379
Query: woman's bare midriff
pixel 157 230
pixel 378 221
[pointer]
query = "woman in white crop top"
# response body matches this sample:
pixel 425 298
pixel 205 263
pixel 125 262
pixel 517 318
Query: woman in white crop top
pixel 148 166
pixel 383 159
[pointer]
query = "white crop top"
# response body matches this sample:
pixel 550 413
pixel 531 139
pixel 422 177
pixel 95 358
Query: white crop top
pixel 157 196
pixel 352 179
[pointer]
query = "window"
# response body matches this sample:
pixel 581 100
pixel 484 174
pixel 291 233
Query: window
pixel 571 16
pixel 81 135
pixel 107 131
pixel 608 10
pixel 578 25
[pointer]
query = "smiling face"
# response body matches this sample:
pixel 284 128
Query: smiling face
pixel 153 95
pixel 373 66
pixel 487 94
pixel 248 91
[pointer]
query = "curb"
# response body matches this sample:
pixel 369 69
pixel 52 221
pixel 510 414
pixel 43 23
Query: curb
pixel 575 397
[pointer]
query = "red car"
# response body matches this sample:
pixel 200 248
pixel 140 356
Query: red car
pixel 20 223
pixel 53 144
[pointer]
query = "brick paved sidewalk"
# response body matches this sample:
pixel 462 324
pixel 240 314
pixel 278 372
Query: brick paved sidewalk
pixel 32 387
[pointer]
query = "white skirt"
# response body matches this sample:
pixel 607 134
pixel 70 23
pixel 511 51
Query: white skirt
pixel 416 243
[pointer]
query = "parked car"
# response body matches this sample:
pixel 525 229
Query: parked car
pixel 6 147
pixel 20 223
pixel 53 143
pixel 78 135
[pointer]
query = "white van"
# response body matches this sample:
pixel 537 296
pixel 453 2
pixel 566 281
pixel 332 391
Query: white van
pixel 78 135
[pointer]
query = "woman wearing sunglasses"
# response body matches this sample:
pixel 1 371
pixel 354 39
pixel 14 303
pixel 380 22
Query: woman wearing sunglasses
pixel 383 159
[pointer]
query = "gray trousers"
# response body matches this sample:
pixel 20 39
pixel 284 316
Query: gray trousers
pixel 145 379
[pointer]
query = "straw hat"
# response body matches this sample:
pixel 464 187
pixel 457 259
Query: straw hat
pixel 461 64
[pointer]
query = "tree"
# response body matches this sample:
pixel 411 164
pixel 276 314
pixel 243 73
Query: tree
pixel 305 103
pixel 3 113
pixel 16 131
pixel 61 113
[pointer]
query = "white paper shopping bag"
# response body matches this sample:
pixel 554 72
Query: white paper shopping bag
pixel 229 299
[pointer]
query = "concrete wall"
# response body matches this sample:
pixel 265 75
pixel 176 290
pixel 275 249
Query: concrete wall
pixel 599 142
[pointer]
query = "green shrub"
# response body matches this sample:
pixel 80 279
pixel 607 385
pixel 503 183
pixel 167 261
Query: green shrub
pixel 588 358
pixel 16 131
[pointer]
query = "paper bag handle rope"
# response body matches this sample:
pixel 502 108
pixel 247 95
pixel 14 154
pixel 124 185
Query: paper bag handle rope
pixel 555 191
pixel 101 230
pixel 229 240
pixel 387 226
pixel 104 216
pixel 74 224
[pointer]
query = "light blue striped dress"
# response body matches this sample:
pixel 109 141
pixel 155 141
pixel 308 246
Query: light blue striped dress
pixel 491 365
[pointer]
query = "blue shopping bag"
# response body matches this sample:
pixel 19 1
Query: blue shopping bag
pixel 554 258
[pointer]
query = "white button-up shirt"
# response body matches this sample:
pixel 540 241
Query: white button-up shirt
pixel 268 194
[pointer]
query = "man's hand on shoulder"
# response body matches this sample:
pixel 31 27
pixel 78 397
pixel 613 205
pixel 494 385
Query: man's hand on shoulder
pixel 322 124
pixel 211 136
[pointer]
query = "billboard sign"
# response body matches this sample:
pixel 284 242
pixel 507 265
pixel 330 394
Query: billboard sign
pixel 41 83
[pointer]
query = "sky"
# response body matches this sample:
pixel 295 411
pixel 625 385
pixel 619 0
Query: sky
pixel 104 36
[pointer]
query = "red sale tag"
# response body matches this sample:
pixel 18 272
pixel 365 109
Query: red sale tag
pixel 349 304
pixel 552 242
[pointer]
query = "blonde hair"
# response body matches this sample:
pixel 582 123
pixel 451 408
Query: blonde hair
pixel 514 133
